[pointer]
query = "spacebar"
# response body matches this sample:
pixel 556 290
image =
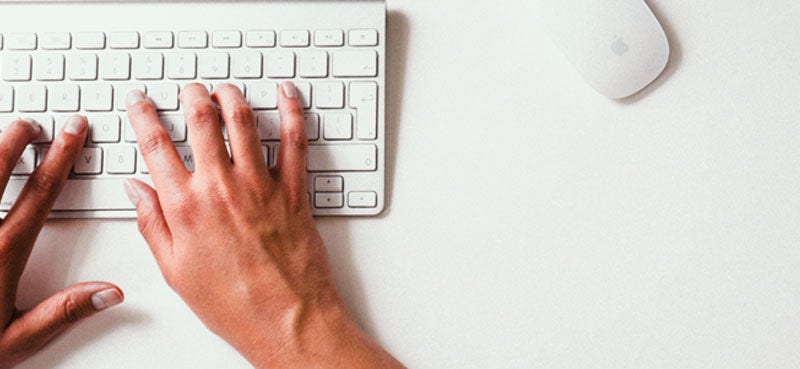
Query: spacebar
pixel 78 195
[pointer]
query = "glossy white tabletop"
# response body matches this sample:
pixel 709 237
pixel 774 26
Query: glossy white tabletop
pixel 531 222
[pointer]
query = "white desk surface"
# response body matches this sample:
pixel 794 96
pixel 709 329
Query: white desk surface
pixel 531 222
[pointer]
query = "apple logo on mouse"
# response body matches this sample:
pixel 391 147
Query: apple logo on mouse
pixel 620 47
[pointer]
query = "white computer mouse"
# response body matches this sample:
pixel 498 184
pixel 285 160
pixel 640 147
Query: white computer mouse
pixel 617 45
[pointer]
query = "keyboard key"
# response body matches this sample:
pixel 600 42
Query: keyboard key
pixel 262 95
pixel 115 66
pixel 187 156
pixel 65 98
pixel 363 37
pixel 48 67
pixel 148 66
pixel 329 95
pixel 104 129
pixel 123 40
pixel 338 126
pixel 175 126
pixel 82 67
pixel 312 126
pixel 31 98
pixel 97 97
pixel 182 66
pixel 328 200
pixel 268 126
pixel 226 39
pixel 26 163
pixel 124 90
pixel 329 184
pixel 355 64
pixel 164 96
pixel 56 41
pixel 342 158
pixel 106 195
pixel 90 161
pixel 214 65
pixel 16 67
pixel 157 40
pixel 260 39
pixel 121 160
pixel 364 98
pixel 247 64
pixel 295 38
pixel 313 64
pixel 90 41
pixel 280 64
pixel 46 122
pixel 193 40
pixel 21 41
pixel 6 99
pixel 304 93
pixel 329 38
pixel 362 199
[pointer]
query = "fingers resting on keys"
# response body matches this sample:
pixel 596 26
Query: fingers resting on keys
pixel 208 145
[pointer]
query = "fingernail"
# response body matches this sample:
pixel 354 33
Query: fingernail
pixel 130 190
pixel 134 97
pixel 289 90
pixel 106 299
pixel 75 125
pixel 37 128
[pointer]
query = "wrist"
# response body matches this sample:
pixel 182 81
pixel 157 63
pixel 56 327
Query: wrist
pixel 326 338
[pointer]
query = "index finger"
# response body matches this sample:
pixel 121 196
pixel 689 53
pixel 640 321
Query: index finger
pixel 34 203
pixel 160 155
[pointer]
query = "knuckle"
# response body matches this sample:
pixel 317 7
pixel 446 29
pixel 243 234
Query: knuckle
pixel 240 113
pixel 201 111
pixel 184 209
pixel 71 311
pixel 298 140
pixel 44 182
pixel 145 221
pixel 155 143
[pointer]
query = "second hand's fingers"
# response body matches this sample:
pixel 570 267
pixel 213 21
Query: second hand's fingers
pixel 205 130
pixel 30 211
pixel 155 144
pixel 240 122
pixel 294 143
pixel 35 328
pixel 13 141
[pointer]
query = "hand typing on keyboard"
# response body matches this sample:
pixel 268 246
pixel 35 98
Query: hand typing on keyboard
pixel 22 333
pixel 236 239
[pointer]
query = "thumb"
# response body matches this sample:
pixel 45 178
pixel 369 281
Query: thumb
pixel 36 327
pixel 152 223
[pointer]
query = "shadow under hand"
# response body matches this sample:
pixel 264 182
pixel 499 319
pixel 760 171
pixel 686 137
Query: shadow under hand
pixel 397 34
pixel 336 230
pixel 675 58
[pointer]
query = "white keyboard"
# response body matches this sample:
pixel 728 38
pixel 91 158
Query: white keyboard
pixel 333 51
